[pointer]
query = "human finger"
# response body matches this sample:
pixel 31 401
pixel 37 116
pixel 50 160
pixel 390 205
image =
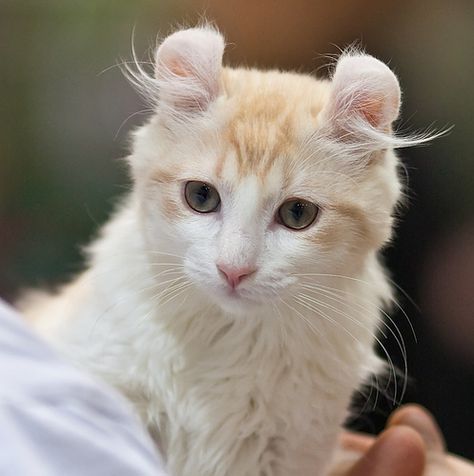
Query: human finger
pixel 422 421
pixel 398 450
pixel 357 442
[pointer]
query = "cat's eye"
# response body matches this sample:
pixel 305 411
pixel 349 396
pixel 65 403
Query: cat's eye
pixel 201 197
pixel 297 213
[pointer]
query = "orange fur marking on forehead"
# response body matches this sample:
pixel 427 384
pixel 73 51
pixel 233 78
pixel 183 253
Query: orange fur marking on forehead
pixel 267 108
pixel 220 164
pixel 257 145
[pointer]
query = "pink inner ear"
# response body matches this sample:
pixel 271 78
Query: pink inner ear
pixel 372 110
pixel 188 65
pixel 378 108
pixel 364 87
pixel 172 62
pixel 177 68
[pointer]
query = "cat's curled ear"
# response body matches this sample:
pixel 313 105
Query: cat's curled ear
pixel 364 101
pixel 187 68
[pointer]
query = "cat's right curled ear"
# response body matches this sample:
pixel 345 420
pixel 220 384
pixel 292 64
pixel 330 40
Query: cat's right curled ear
pixel 363 103
pixel 363 89
pixel 187 69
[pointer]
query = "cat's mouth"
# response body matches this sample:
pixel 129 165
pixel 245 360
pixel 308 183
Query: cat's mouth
pixel 236 300
pixel 234 294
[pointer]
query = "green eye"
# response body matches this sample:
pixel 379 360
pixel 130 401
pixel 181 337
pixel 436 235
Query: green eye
pixel 202 197
pixel 297 213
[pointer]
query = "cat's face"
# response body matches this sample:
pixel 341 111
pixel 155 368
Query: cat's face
pixel 257 181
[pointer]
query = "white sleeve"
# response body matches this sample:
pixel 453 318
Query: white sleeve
pixel 54 420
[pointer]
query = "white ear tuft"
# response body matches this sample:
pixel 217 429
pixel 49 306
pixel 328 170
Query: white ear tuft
pixel 363 89
pixel 188 66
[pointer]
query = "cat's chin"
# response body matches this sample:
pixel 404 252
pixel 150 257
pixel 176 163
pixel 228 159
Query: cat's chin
pixel 236 304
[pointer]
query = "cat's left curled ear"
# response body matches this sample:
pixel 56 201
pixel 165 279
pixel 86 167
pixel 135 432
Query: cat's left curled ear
pixel 188 66
pixel 364 97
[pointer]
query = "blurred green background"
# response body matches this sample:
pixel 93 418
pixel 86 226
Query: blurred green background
pixel 66 111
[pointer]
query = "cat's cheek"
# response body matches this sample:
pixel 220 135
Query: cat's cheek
pixel 349 233
pixel 163 201
pixel 198 232
pixel 161 217
pixel 171 209
pixel 199 268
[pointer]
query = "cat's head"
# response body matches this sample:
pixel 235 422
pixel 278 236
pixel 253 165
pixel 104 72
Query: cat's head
pixel 258 178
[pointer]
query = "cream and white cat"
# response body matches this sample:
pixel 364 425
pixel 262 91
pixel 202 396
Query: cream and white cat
pixel 235 295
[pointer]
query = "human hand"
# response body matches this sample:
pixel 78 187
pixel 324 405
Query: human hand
pixel 411 445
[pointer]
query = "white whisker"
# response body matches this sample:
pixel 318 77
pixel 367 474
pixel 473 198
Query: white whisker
pixel 155 252
pixel 312 307
pixel 337 294
pixel 307 321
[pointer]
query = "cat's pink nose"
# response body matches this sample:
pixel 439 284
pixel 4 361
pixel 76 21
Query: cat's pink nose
pixel 234 275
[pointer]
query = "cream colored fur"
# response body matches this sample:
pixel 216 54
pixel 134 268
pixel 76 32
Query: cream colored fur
pixel 256 382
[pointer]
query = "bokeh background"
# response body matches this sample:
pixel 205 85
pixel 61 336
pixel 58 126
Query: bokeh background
pixel 66 111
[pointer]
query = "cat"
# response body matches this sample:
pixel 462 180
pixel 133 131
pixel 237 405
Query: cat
pixel 235 296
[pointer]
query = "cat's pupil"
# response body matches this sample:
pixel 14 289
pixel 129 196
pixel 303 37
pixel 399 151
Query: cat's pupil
pixel 202 194
pixel 298 210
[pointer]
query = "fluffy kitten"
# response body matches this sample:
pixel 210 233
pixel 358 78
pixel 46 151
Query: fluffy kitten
pixel 235 295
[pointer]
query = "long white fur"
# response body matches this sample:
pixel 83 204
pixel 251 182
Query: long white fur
pixel 229 388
